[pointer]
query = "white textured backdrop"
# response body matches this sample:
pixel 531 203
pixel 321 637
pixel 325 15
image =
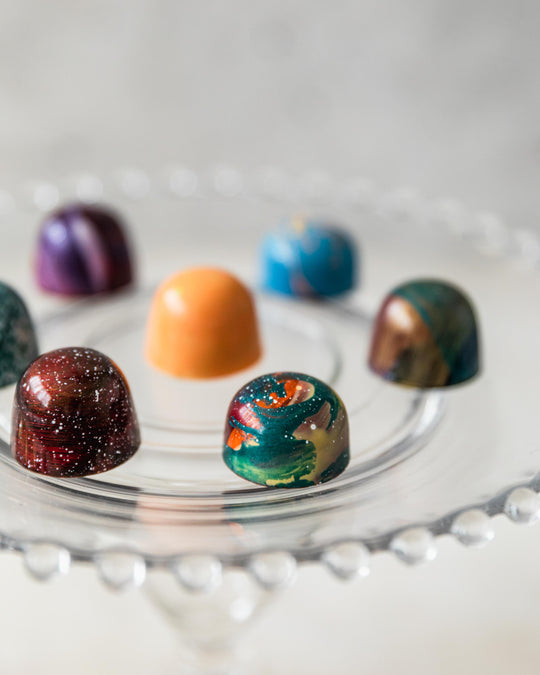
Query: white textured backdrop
pixel 443 96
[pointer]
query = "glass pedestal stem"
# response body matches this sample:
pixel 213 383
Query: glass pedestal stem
pixel 211 626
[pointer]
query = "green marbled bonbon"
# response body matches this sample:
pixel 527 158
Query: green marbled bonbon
pixel 286 430
pixel 426 335
pixel 18 344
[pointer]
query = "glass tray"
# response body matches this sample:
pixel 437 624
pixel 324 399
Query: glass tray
pixel 422 464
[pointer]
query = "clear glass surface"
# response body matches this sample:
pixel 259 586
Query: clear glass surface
pixel 418 460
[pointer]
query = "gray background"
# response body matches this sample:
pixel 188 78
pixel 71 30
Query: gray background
pixel 440 96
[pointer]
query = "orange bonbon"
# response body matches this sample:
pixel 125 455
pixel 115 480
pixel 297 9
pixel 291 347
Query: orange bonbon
pixel 202 324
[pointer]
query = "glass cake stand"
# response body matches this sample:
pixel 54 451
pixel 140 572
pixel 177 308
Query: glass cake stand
pixel 209 547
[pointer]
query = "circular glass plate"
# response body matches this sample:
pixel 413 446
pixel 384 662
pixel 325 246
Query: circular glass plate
pixel 417 459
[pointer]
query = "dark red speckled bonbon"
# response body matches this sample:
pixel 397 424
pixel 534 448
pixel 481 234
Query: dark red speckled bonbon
pixel 73 415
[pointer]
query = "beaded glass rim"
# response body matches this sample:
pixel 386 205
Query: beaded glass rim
pixel 345 558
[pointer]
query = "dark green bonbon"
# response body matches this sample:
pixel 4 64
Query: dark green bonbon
pixel 426 335
pixel 18 343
